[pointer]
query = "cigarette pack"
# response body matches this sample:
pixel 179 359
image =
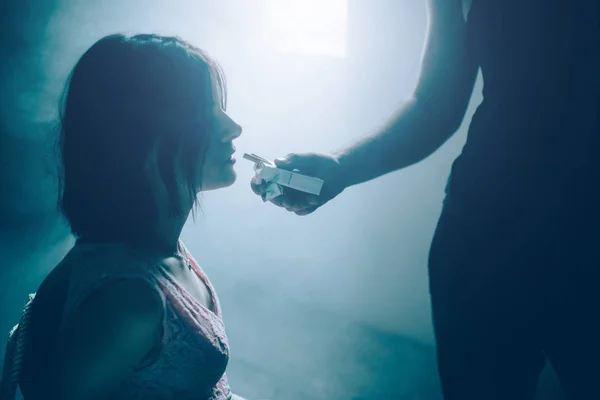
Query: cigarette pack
pixel 267 170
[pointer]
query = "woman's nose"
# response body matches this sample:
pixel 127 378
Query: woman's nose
pixel 233 131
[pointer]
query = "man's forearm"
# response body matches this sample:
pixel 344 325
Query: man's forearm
pixel 434 112
pixel 411 135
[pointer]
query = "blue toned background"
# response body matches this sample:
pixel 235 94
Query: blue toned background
pixel 330 306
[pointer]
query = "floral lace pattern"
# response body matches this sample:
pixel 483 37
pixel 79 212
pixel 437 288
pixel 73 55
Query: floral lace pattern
pixel 194 355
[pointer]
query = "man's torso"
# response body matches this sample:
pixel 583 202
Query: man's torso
pixel 537 127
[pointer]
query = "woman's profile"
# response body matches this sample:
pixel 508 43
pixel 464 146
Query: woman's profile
pixel 128 313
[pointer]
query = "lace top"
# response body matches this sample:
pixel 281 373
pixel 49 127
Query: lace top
pixel 192 361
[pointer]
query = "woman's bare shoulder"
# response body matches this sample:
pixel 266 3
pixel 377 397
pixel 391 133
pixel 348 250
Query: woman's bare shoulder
pixel 107 337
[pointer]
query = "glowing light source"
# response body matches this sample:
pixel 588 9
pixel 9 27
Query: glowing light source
pixel 315 27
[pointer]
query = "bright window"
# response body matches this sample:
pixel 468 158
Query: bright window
pixel 308 26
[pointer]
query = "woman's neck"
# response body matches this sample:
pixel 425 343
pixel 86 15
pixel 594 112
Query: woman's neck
pixel 161 237
pixel 165 236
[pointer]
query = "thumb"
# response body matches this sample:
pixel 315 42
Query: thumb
pixel 293 161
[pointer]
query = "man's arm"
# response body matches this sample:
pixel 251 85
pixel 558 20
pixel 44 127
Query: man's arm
pixel 432 114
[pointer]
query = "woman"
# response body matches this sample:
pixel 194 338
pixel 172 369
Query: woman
pixel 128 313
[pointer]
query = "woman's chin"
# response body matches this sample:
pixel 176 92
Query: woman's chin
pixel 227 179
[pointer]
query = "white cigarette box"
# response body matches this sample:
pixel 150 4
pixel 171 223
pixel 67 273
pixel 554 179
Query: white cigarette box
pixel 267 170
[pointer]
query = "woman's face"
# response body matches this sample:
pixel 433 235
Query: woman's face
pixel 218 167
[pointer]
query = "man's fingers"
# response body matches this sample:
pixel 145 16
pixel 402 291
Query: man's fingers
pixel 285 162
pixel 306 211
pixel 257 188
pixel 300 207
pixel 296 201
pixel 281 162
pixel 295 161
pixel 279 201
pixel 312 201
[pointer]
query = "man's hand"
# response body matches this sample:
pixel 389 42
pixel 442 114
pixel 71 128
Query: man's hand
pixel 322 166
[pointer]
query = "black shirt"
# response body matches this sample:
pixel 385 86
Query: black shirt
pixel 536 132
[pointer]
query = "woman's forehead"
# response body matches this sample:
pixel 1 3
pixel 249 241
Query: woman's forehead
pixel 218 95
pixel 219 88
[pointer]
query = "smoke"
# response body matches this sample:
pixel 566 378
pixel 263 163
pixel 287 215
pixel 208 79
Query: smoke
pixel 333 305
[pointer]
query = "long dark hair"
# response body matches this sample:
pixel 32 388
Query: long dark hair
pixel 135 118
